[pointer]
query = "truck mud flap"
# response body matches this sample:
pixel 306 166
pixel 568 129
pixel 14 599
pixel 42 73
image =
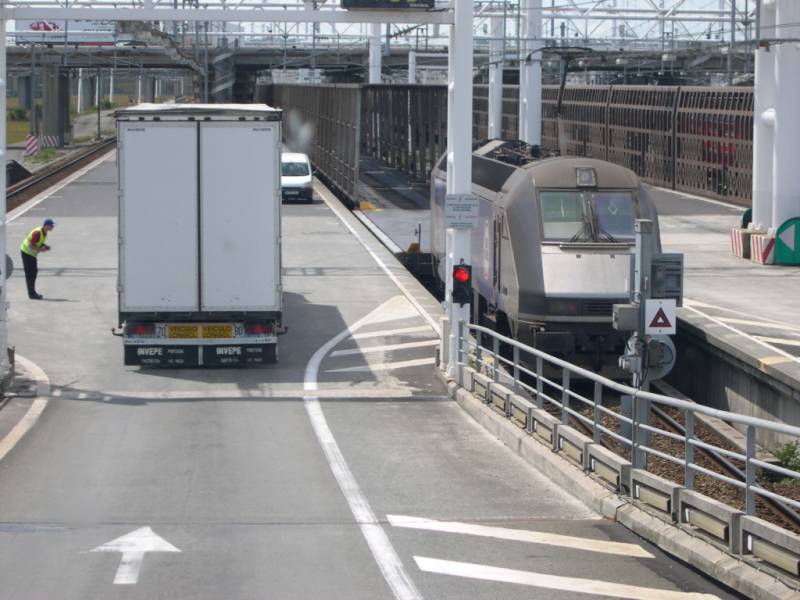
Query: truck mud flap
pixel 162 356
pixel 228 355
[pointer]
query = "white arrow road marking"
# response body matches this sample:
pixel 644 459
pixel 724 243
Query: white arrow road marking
pixel 385 366
pixel 133 547
pixel 521 535
pixel 553 582
pixel 387 348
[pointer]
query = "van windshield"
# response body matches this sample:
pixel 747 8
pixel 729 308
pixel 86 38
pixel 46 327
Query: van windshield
pixel 294 169
pixel 601 216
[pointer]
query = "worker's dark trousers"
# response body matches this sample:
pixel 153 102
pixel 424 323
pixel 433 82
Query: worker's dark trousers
pixel 31 270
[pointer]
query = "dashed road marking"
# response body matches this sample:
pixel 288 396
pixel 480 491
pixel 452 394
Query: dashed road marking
pixel 553 582
pixel 521 535
pixel 387 348
pixel 418 362
pixel 373 334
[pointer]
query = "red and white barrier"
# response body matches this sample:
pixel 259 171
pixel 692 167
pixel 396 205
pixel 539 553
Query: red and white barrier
pixel 31 145
pixel 740 242
pixel 762 248
pixel 50 141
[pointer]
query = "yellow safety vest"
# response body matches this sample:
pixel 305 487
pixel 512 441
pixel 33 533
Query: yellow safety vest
pixel 28 247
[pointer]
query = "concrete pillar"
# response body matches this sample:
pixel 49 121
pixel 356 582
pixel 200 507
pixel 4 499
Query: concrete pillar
pixel 55 104
pixel 459 159
pixel 79 103
pixel 24 91
pixel 530 91
pixel 786 186
pixel 764 125
pixel 496 57
pixel 412 67
pixel 375 53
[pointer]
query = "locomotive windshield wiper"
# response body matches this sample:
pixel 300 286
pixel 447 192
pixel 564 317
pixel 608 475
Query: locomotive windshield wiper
pixel 606 237
pixel 584 234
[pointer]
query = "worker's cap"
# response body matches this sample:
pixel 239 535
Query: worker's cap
pixel 50 222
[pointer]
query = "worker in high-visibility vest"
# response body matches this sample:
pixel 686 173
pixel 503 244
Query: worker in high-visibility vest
pixel 33 244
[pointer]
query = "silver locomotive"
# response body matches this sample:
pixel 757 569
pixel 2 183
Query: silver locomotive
pixel 551 252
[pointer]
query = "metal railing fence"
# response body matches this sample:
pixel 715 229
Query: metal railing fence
pixel 526 371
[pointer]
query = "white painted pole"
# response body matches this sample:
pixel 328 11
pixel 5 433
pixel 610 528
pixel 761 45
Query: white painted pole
pixel 79 103
pixel 496 57
pixel 412 67
pixel 530 106
pixel 459 157
pixel 4 365
pixel 375 53
pixel 139 90
pixel 763 125
pixel 786 190
pixel 111 85
pixel 97 89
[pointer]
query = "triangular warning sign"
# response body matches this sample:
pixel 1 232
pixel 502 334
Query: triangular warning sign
pixel 660 320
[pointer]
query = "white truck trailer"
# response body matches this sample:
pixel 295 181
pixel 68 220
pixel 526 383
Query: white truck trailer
pixel 199 234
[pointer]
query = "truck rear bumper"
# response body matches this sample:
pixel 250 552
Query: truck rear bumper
pixel 213 355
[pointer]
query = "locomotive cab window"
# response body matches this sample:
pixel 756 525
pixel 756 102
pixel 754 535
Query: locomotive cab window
pixel 563 215
pixel 614 215
pixel 593 217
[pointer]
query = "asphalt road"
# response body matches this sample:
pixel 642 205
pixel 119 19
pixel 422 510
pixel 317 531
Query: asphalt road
pixel 340 472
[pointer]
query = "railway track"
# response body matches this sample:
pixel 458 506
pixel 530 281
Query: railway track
pixel 38 182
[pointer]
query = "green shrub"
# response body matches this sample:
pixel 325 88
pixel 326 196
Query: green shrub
pixel 44 155
pixel 789 456
pixel 17 114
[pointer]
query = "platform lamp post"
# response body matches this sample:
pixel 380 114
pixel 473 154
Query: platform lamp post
pixel 459 161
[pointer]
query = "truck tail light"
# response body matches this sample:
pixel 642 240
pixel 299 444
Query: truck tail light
pixel 257 329
pixel 142 329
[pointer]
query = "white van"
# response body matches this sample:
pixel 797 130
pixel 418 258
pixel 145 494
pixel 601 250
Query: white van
pixel 296 177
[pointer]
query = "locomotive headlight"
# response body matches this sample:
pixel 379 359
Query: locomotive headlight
pixel 585 177
pixel 562 307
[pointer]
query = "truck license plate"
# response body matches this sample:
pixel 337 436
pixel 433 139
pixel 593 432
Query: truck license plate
pixel 224 330
pixel 183 331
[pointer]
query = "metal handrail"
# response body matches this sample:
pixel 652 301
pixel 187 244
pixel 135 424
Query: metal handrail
pixel 637 424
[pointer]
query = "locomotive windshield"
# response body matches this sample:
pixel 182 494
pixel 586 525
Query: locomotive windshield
pixel 601 216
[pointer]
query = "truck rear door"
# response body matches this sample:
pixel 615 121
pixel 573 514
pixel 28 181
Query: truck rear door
pixel 158 267
pixel 240 216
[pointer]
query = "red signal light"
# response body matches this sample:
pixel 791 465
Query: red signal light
pixel 461 274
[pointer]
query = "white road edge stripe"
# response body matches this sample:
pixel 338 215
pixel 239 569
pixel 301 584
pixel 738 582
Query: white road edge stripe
pixel 323 193
pixel 388 348
pixel 39 198
pixel 772 340
pixel 385 555
pixel 385 366
pixel 553 582
pixel 521 535
pixel 34 412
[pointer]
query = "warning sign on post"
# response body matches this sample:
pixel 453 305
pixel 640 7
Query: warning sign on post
pixel 660 317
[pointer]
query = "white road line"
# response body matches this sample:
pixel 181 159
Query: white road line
pixel 769 347
pixel 553 582
pixel 764 324
pixel 323 193
pixel 385 366
pixel 34 412
pixel 385 555
pixel 521 535
pixel 39 198
pixel 402 330
pixel 773 340
pixel 388 348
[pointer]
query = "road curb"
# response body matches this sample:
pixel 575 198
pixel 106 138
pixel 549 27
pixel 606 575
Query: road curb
pixel 737 574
